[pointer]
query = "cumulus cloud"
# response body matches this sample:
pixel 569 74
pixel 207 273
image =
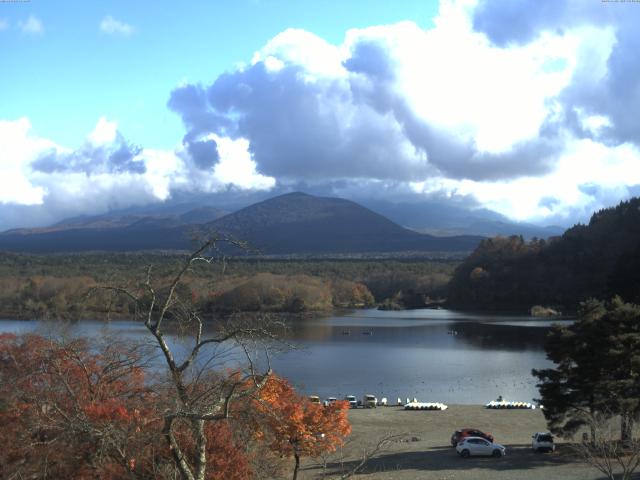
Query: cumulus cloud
pixel 390 103
pixel 31 26
pixel 41 181
pixel 606 85
pixel 16 152
pixel 105 151
pixel 493 102
pixel 111 26
pixel 528 109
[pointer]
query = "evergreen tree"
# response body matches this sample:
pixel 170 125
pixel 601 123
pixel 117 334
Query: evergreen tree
pixel 597 368
pixel 623 362
pixel 574 390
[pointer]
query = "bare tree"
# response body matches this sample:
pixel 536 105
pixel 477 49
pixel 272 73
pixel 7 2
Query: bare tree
pixel 605 451
pixel 198 394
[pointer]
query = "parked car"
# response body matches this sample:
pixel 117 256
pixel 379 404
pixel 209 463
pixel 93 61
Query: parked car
pixel 353 401
pixel 463 433
pixel 542 442
pixel 314 399
pixel 369 401
pixel 472 446
pixel 330 401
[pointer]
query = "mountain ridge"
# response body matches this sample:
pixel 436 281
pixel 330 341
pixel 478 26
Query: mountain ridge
pixel 291 223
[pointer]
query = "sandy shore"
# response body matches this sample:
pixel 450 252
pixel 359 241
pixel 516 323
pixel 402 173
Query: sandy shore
pixel 426 452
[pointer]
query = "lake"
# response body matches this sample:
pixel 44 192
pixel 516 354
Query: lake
pixel 433 355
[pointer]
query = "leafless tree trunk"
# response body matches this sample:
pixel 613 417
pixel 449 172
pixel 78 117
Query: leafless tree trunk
pixel 197 400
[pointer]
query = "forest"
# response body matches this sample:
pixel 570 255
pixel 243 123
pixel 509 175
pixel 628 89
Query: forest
pixel 62 286
pixel 597 260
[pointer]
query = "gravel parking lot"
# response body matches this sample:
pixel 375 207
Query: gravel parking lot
pixel 425 451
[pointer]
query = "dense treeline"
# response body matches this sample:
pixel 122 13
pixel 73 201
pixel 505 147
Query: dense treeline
pixel 597 260
pixel 60 286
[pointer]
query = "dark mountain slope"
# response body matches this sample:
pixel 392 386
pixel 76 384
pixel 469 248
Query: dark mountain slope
pixel 301 223
pixel 600 260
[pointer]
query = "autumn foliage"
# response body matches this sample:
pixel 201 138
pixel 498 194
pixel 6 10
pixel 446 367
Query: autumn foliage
pixel 296 425
pixel 69 412
pixel 75 410
pixel 291 425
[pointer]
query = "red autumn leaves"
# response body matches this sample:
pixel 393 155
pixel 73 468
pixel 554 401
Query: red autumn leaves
pixel 81 411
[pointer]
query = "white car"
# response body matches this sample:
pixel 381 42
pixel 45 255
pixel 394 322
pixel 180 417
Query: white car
pixel 542 442
pixel 353 401
pixel 478 446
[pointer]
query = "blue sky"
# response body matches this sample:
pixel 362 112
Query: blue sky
pixel 526 108
pixel 72 73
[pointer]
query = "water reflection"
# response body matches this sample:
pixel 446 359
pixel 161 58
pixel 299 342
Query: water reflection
pixel 435 355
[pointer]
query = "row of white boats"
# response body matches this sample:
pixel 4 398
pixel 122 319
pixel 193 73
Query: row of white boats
pixel 500 404
pixel 425 406
pixel 369 401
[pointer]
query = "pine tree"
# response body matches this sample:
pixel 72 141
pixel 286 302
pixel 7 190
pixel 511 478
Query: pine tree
pixel 597 368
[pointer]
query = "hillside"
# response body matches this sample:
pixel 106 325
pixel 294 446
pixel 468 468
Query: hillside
pixel 293 223
pixel 599 260
pixel 301 223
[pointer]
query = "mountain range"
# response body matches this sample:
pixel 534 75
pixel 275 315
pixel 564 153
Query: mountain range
pixel 294 223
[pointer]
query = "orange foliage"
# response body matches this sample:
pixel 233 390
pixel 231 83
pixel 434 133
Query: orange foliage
pixel 295 426
pixel 81 412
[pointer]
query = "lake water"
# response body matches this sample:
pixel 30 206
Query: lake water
pixel 433 355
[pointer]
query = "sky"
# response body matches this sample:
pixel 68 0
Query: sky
pixel 526 108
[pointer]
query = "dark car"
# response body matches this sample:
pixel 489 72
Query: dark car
pixel 460 435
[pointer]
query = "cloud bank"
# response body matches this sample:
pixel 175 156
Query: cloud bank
pixel 528 109
pixel 41 182
pixel 522 112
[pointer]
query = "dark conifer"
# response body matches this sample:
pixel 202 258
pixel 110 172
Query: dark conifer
pixel 597 368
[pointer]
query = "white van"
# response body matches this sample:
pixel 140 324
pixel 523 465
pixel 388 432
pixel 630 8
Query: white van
pixel 369 401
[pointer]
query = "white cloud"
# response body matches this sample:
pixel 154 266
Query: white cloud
pixel 4 24
pixel 236 167
pixel 37 171
pixel 32 26
pixel 111 26
pixel 443 110
pixel 17 150
pixel 317 56
pixel 104 132
pixel 585 165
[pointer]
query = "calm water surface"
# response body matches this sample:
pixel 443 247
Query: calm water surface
pixel 434 355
